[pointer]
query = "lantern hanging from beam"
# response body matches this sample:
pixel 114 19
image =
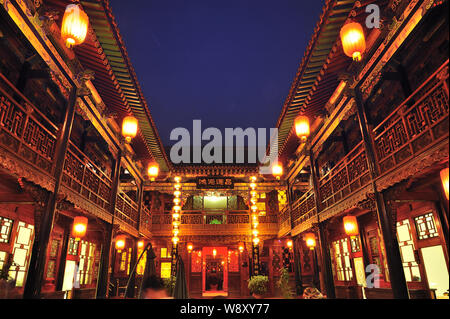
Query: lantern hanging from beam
pixel 353 40
pixel 79 227
pixel 241 248
pixel 302 128
pixel 290 244
pixel 445 181
pixel 277 171
pixel 351 226
pixel 310 240
pixel 190 247
pixel 129 128
pixel 120 242
pixel 153 171
pixel 74 25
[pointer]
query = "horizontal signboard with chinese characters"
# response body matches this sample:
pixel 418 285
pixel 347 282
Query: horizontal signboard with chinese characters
pixel 215 182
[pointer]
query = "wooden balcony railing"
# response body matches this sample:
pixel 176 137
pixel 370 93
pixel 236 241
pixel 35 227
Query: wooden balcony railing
pixel 127 209
pixel 349 175
pixel 304 208
pixel 284 220
pixel 24 130
pixel 28 133
pixel 418 123
pixel 146 220
pixel 85 178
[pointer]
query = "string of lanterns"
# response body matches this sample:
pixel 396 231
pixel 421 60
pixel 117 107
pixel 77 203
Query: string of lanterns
pixel 254 210
pixel 176 211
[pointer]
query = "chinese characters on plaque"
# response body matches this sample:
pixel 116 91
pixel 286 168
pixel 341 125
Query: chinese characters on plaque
pixel 214 182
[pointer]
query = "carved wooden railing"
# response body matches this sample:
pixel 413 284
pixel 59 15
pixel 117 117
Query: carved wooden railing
pixel 349 175
pixel 145 220
pixel 304 208
pixel 85 178
pixel 284 220
pixel 418 123
pixel 24 130
pixel 126 209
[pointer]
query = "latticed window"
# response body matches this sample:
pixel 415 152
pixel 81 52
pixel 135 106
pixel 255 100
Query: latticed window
pixel 21 253
pixel 5 229
pixel 282 199
pixel 341 259
pixel 407 250
pixel 87 266
pixel 426 227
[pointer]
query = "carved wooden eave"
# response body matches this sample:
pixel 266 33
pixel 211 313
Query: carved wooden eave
pixel 350 202
pixel 18 167
pixel 304 226
pixel 415 166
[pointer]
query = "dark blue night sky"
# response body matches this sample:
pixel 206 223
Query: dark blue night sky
pixel 229 63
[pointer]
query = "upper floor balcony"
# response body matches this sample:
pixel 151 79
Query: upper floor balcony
pixel 28 142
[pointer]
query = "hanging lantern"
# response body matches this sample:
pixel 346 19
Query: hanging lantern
pixel 214 253
pixel 445 181
pixel 353 40
pixel 254 208
pixel 254 193
pixel 175 232
pixel 129 128
pixel 190 247
pixel 153 171
pixel 177 208
pixel 351 226
pixel 74 25
pixel 177 179
pixel 176 215
pixel 253 201
pixel 177 186
pixel 302 128
pixel 277 171
pixel 177 193
pixel 289 244
pixel 253 186
pixel 253 179
pixel 120 242
pixel 310 240
pixel 255 232
pixel 79 227
pixel 241 248
pixel 256 241
pixel 175 240
pixel 140 244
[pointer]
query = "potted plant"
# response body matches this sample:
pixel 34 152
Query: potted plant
pixel 258 286
pixel 283 284
pixel 169 283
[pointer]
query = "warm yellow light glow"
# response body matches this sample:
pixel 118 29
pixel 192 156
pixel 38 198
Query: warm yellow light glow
pixel 140 244
pixel 255 224
pixel 176 201
pixel 129 128
pixel 277 171
pixel 310 240
pixel 253 179
pixel 176 215
pixel 177 186
pixel 153 170
pixel 74 25
pixel 79 226
pixel 177 179
pixel 256 241
pixel 255 232
pixel 302 128
pixel 241 248
pixel 253 186
pixel 175 240
pixel 445 181
pixel 351 225
pixel 176 223
pixel 253 201
pixel 254 193
pixel 177 194
pixel 175 232
pixel 214 252
pixel 120 242
pixel 353 40
pixel 254 208
pixel 290 244
pixel 190 247
pixel 176 208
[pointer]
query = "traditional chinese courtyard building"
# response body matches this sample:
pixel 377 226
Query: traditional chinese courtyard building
pixel 361 210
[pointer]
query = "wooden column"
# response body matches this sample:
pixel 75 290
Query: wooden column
pixel 62 259
pixel 103 278
pixel 297 266
pixel 387 226
pixel 134 256
pixel 36 268
pixel 326 268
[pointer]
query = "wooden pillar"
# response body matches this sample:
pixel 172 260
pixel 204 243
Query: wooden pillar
pixel 387 226
pixel 63 257
pixel 298 266
pixel 103 278
pixel 326 269
pixel 36 268
pixel 134 259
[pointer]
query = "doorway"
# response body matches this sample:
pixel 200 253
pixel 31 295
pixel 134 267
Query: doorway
pixel 215 271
